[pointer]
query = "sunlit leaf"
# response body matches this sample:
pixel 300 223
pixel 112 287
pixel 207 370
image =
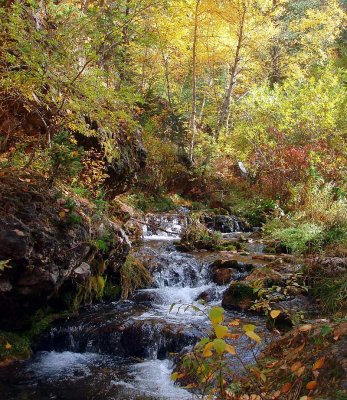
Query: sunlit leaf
pixel 248 328
pixel 216 315
pixel 275 313
pixel 230 349
pixel 253 336
pixel 311 385
pixel 207 350
pixel 220 330
pixel 318 364
pixel 219 345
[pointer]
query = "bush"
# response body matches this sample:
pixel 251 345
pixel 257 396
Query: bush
pixel 134 275
pixel 318 220
pixel 302 238
pixel 197 236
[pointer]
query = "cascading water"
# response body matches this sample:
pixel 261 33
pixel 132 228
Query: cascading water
pixel 121 350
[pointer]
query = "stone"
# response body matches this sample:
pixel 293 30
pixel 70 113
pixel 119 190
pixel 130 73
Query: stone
pixel 48 254
pixel 5 286
pixel 222 276
pixel 267 276
pixel 239 296
pixel 82 272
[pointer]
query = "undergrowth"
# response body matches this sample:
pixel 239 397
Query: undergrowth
pixel 134 275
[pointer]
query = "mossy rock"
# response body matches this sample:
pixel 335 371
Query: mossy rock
pixel 239 296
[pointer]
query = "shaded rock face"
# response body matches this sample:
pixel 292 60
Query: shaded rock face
pixel 47 252
pixel 131 157
pixel 107 329
pixel 238 296
pixel 225 223
pixel 29 126
pixel 156 338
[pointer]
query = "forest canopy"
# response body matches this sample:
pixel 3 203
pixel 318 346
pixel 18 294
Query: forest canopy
pixel 208 84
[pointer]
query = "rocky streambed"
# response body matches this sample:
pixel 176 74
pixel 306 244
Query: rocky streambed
pixel 123 350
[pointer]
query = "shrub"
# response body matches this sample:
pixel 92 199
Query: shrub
pixel 301 238
pixel 65 156
pixel 318 220
pixel 197 236
pixel 134 275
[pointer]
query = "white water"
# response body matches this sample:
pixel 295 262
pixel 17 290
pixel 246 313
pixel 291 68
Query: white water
pixel 177 278
pixel 54 365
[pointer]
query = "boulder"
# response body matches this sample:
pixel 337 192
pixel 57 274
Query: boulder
pixel 222 276
pixel 267 276
pixel 48 251
pixel 239 296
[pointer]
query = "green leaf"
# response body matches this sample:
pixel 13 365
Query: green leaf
pixel 219 345
pixel 326 330
pixel 203 342
pixel 216 315
pixel 172 306
pixel 220 330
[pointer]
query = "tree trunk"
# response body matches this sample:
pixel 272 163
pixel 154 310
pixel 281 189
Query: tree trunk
pixel 125 44
pixel 232 80
pixel 194 99
pixel 166 67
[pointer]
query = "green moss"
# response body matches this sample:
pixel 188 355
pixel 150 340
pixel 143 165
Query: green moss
pixel 134 275
pixel 92 289
pixel 17 346
pixel 112 291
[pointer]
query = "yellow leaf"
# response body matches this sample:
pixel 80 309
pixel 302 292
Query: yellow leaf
pixel 253 336
pixel 318 364
pixel 248 328
pixel 230 349
pixel 311 385
pixel 221 331
pixel 8 346
pixel 62 214
pixel 173 376
pixel 305 328
pixel 275 313
pixel 207 350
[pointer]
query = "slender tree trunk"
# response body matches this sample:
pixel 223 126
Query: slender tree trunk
pixel 194 98
pixel 232 79
pixel 166 67
pixel 275 56
pixel 125 43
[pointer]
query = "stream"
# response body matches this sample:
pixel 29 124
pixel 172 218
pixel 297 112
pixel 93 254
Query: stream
pixel 123 350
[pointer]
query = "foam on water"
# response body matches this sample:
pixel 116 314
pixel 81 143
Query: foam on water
pixel 51 364
pixel 153 378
